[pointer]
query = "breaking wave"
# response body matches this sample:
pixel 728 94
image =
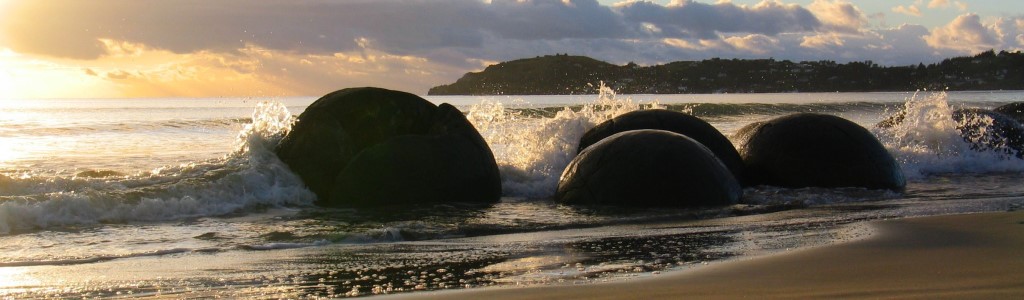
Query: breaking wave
pixel 250 177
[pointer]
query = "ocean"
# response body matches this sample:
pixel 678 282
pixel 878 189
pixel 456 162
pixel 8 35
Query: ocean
pixel 185 198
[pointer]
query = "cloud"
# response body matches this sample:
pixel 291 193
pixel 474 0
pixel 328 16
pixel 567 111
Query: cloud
pixel 822 41
pixel 1010 31
pixel 269 47
pixel 839 15
pixel 309 26
pixel 935 4
pixel 965 34
pixel 910 10
pixel 961 6
pixel 686 18
pixel 754 43
pixel 938 3
pixel 119 75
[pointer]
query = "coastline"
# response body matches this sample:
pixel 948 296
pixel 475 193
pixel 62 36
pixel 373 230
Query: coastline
pixel 952 256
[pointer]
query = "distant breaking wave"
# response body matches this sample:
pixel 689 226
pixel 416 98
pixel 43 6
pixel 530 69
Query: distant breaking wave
pixel 42 128
pixel 250 177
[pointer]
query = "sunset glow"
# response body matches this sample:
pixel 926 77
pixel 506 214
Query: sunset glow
pixel 114 48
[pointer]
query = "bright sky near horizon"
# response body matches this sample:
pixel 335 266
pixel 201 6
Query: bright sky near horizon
pixel 268 48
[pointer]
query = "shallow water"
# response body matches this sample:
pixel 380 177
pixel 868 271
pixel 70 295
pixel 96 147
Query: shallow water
pixel 185 197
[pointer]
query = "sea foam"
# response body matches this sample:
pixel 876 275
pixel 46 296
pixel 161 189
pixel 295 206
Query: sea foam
pixel 249 177
pixel 532 150
pixel 928 140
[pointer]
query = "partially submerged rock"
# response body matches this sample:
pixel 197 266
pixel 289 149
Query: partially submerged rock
pixel 998 130
pixel 817 150
pixel 648 168
pixel 1014 110
pixel 677 122
pixel 372 146
pixel 988 130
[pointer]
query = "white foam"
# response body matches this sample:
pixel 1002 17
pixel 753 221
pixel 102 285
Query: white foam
pixel 249 177
pixel 927 141
pixel 532 151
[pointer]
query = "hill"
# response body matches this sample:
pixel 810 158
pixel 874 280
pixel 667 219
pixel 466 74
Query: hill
pixel 564 74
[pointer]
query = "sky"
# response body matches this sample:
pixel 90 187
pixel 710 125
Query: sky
pixel 270 48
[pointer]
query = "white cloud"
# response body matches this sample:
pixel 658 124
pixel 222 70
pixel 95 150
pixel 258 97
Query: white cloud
pixel 823 40
pixel 910 10
pixel 839 15
pixel 938 3
pixel 965 34
pixel 754 43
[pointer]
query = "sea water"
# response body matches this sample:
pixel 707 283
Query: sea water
pixel 185 197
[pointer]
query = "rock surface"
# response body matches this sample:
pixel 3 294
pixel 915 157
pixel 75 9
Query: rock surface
pixel 817 150
pixel 372 146
pixel 648 168
pixel 1014 110
pixel 988 130
pixel 667 120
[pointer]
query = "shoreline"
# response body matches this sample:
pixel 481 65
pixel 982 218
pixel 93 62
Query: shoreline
pixel 950 256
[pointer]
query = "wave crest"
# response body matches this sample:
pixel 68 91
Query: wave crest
pixel 532 149
pixel 250 177
pixel 929 141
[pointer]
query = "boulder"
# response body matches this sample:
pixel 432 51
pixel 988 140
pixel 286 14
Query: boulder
pixel 1014 110
pixel 667 120
pixel 988 130
pixel 817 150
pixel 371 146
pixel 648 168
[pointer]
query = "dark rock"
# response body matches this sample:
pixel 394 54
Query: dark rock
pixel 677 122
pixel 371 146
pixel 744 133
pixel 648 168
pixel 1014 110
pixel 988 130
pixel 894 120
pixel 816 150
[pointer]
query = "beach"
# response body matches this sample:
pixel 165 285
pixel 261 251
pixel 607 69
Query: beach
pixel 187 199
pixel 973 256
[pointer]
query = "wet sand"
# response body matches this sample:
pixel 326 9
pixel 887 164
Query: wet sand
pixel 977 256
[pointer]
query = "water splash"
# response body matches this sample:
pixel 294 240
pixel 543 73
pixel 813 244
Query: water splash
pixel 250 177
pixel 531 150
pixel 925 139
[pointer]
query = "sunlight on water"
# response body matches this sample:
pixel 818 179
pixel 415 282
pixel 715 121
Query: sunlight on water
pixel 250 177
pixel 15 280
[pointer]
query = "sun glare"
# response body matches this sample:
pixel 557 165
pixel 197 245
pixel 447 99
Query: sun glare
pixel 26 77
pixel 7 88
pixel 14 280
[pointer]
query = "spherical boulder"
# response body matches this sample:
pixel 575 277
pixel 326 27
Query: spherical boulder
pixel 988 130
pixel 648 168
pixel 667 120
pixel 371 146
pixel 817 150
pixel 1014 110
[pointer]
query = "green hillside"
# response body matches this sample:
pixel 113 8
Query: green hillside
pixel 565 74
